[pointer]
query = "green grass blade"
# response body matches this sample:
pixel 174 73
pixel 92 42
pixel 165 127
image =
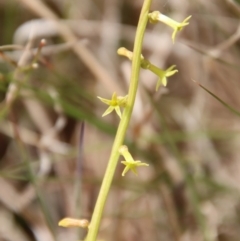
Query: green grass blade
pixel 233 110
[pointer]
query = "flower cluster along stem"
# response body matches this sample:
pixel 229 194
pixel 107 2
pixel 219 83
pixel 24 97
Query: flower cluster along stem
pixel 123 125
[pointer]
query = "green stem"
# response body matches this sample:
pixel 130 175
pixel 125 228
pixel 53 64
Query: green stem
pixel 123 125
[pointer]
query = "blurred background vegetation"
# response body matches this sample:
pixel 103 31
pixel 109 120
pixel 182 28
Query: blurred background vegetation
pixel 54 144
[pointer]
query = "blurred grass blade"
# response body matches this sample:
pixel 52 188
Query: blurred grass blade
pixel 234 111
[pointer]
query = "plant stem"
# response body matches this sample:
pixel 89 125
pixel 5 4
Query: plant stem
pixel 123 125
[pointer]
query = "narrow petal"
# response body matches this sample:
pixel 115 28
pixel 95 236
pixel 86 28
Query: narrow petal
pixel 186 19
pixel 117 109
pixel 158 84
pixel 139 163
pixel 164 81
pixel 170 68
pixel 108 111
pixel 170 73
pixel 174 35
pixel 106 101
pixel 134 170
pixel 126 169
pixel 114 97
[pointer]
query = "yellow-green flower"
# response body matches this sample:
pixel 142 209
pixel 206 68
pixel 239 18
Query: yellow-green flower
pixel 156 16
pixel 114 104
pixel 130 163
pixel 145 64
pixel 162 74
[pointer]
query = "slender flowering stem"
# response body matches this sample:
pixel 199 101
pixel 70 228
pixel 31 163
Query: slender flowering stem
pixel 123 125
